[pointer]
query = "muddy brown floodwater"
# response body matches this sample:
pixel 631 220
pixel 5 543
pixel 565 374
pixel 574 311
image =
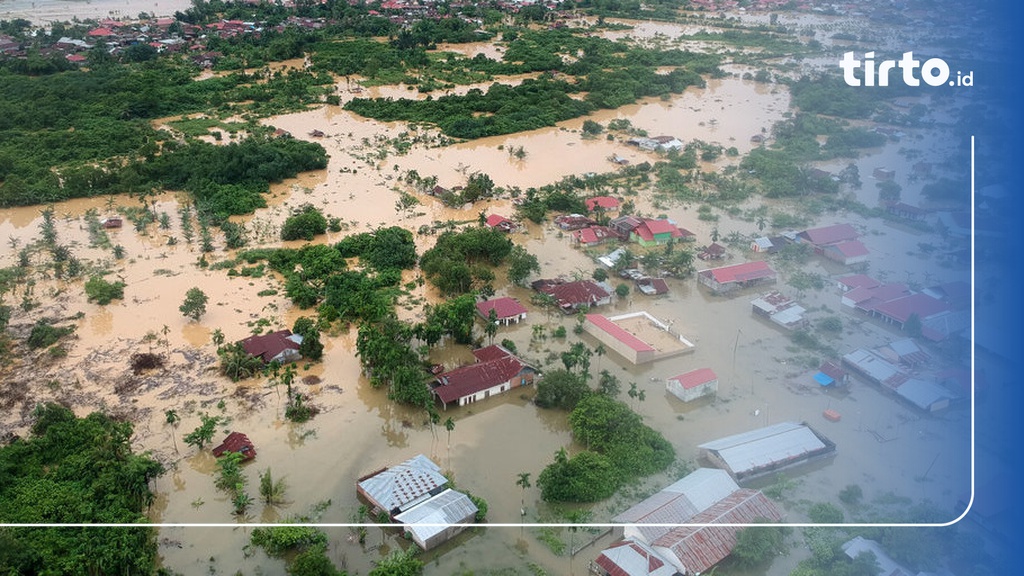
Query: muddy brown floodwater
pixel 882 445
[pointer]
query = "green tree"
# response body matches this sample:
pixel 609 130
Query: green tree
pixel 560 389
pixel 194 305
pixel 523 481
pixel 520 264
pixel 757 545
pixel 491 327
pixel 103 292
pixel 271 491
pixel 399 563
pixel 311 347
pixel 622 290
pixel 76 470
pixel 825 513
pixel 304 223
pixel 203 433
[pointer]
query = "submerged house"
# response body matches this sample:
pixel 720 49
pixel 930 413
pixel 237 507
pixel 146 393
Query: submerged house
pixel 415 493
pixel 570 296
pixel 496 371
pixel 236 442
pixel 779 309
pixel 703 499
pixel 752 454
pixel 281 346
pixel 728 278
pixel 693 384
pixel 654 232
pixel 837 242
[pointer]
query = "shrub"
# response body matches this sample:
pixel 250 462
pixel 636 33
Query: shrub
pixel 851 494
pixel 304 223
pixel 102 292
pixel 44 335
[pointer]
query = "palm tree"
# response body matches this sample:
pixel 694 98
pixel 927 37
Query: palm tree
pixel 600 351
pixel 172 418
pixel 523 482
pixel 714 234
pixel 761 223
pixel 449 425
pixel 576 517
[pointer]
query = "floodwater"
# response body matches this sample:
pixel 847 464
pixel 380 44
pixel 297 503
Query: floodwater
pixel 45 11
pixel 882 445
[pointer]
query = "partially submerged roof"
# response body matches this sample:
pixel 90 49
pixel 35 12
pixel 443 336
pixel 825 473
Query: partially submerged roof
pixel 830 234
pixel 741 272
pixel 695 378
pixel 633 558
pixel 762 448
pixel 236 442
pixel 268 346
pixel 429 518
pixel 698 548
pixel 404 483
pixel 679 502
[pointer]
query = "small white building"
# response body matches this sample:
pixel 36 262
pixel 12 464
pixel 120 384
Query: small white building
pixel 693 384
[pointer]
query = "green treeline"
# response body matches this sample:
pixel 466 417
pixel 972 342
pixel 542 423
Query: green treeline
pixel 76 134
pixel 73 470
pixel 610 74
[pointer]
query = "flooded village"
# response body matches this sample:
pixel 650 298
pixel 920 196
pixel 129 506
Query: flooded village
pixel 805 358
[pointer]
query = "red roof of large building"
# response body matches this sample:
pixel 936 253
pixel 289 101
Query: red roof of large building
pixel 741 272
pixel 615 331
pixel 701 547
pixel 503 307
pixel 495 365
pixel 851 248
pixel 695 378
pixel 869 298
pixel 830 234
pixel 901 309
pixel 100 32
pixel 604 202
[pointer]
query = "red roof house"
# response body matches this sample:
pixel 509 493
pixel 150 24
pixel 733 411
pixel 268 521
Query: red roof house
pixel 593 235
pixel 501 223
pixel 570 296
pixel 605 203
pixel 236 442
pixel 282 346
pixel 728 278
pixel 693 384
pixel 652 232
pixel 507 310
pixel 496 371
pixel 829 234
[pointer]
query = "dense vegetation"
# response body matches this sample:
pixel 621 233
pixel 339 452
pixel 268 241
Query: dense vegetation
pixel 72 470
pixel 609 74
pixel 619 447
pixel 462 261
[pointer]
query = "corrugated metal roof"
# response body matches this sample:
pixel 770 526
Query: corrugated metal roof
pixel 699 548
pixel 874 367
pixel 434 516
pixel 923 394
pixel 632 558
pixel 496 365
pixel 681 500
pixel 403 483
pixel 503 308
pixel 830 234
pixel 765 446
